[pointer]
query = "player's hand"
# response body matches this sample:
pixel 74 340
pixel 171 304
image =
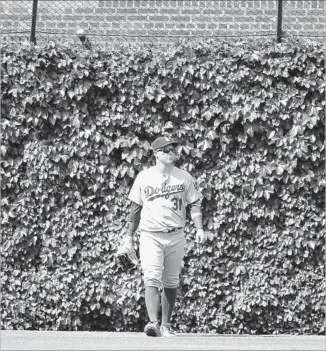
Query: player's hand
pixel 126 254
pixel 128 241
pixel 200 236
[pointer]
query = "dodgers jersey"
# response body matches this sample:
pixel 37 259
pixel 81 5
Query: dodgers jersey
pixel 163 198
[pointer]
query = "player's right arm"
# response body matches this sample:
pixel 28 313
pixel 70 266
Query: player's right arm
pixel 134 218
pixel 134 211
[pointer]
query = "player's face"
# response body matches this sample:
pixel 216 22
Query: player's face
pixel 166 155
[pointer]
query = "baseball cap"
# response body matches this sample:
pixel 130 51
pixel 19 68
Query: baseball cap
pixel 161 142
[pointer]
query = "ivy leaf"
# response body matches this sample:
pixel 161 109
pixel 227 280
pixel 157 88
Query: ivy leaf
pixel 211 135
pixel 76 122
pixel 205 144
pixel 271 134
pixel 3 150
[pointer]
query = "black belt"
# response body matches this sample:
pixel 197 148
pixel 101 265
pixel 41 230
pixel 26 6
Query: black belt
pixel 172 230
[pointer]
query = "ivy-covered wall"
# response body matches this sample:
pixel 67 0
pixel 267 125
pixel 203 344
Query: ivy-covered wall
pixel 76 128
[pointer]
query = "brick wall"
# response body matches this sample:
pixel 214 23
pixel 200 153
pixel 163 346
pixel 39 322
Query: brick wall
pixel 107 20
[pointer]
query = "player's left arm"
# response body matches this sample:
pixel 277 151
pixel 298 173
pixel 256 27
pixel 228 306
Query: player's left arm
pixel 194 200
pixel 197 218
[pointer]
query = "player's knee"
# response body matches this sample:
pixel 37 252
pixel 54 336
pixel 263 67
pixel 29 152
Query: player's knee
pixel 169 286
pixel 171 282
pixel 152 281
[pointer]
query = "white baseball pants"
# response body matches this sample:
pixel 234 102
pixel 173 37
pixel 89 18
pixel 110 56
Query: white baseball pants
pixel 161 256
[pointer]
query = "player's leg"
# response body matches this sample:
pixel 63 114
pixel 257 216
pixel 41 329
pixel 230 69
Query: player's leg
pixel 151 258
pixel 152 301
pixel 171 274
pixel 168 299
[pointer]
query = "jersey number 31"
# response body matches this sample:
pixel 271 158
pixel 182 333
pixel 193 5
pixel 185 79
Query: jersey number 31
pixel 177 204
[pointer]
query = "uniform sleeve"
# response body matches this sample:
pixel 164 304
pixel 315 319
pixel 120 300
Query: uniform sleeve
pixel 192 192
pixel 134 217
pixel 135 192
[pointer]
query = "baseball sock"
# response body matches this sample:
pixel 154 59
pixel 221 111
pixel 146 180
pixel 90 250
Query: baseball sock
pixel 152 300
pixel 169 296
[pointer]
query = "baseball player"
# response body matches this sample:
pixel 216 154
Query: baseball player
pixel 159 197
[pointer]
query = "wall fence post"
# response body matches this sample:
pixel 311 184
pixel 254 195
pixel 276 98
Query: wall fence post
pixel 279 21
pixel 33 27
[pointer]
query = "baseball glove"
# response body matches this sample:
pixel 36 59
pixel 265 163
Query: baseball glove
pixel 127 258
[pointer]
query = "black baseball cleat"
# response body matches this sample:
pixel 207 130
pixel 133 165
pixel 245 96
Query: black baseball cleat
pixel 152 329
